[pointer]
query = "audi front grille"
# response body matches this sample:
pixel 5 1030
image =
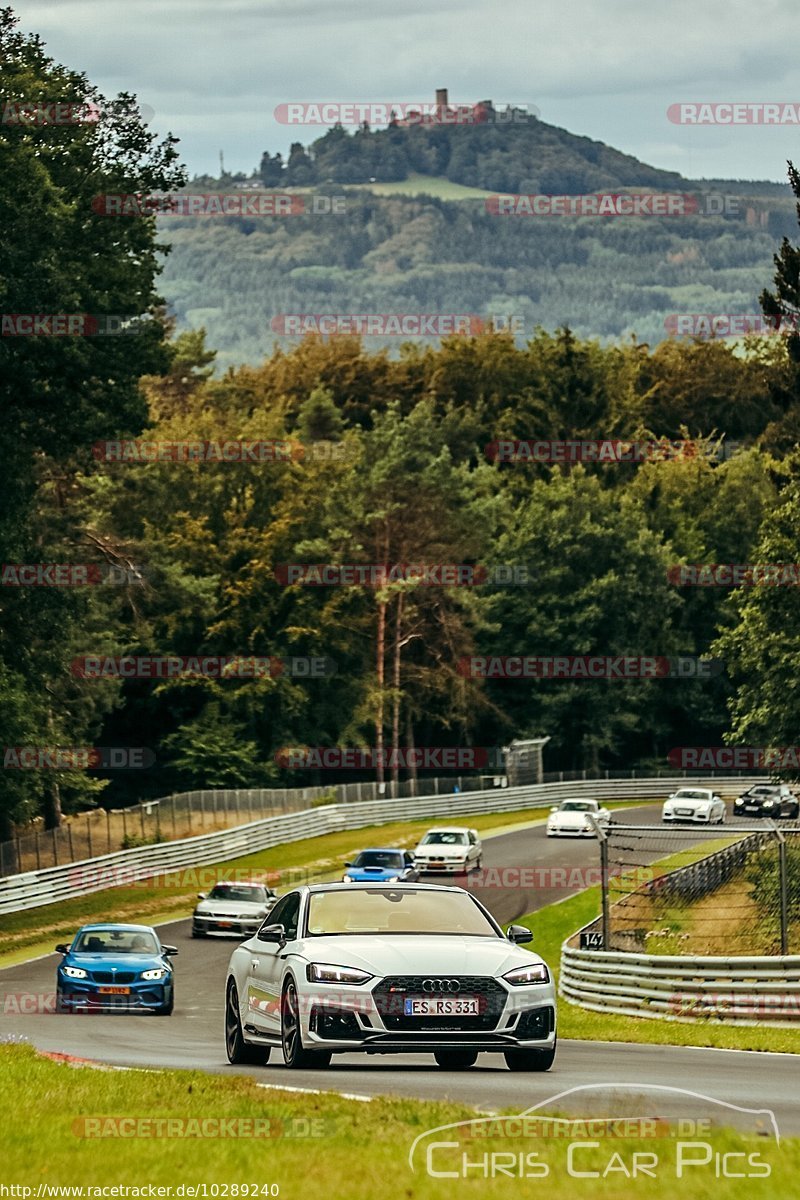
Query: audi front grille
pixel 391 992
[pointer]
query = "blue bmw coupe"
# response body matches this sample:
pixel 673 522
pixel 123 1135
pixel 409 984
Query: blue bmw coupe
pixel 381 866
pixel 115 967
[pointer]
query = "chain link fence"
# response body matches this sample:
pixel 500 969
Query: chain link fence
pixel 187 814
pixel 680 890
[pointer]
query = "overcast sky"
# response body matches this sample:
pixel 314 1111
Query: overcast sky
pixel 214 70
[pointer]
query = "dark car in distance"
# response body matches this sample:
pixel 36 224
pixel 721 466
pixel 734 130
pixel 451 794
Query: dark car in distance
pixel 767 800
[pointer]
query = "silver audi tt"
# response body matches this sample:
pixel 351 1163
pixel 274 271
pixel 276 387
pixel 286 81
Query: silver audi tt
pixel 385 969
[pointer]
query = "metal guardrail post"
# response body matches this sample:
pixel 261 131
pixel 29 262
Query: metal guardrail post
pixel 784 887
pixel 602 838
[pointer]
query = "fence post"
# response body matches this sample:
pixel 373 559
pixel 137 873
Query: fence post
pixel 602 837
pixel 784 907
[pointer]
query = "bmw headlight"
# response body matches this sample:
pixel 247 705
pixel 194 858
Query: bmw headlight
pixel 156 973
pixel 324 973
pixel 75 972
pixel 522 976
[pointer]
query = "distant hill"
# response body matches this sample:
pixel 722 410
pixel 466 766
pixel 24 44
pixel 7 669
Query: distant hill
pixel 525 155
pixel 418 236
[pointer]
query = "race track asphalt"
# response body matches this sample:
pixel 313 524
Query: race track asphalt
pixel 620 1075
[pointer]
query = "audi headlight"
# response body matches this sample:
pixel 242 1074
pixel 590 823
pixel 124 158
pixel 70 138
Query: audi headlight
pixel 324 973
pixel 522 976
pixel 75 972
pixel 156 973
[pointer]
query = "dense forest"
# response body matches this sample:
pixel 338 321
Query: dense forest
pixel 604 277
pixel 367 458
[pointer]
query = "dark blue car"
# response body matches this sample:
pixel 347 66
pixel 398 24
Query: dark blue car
pixel 116 967
pixel 381 866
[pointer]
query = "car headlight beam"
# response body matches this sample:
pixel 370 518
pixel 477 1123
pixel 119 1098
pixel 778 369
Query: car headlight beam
pixel 524 976
pixel 325 973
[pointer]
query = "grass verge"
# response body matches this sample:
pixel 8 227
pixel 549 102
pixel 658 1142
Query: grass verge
pixel 349 1143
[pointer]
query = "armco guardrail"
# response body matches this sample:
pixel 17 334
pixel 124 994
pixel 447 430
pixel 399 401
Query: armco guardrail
pixel 35 888
pixel 738 990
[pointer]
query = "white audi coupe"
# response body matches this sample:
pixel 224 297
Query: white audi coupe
pixel 339 968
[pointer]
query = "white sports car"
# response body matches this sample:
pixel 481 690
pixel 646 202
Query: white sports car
pixel 569 819
pixel 388 969
pixel 699 805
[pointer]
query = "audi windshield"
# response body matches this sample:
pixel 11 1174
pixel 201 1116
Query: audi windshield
pixel 387 911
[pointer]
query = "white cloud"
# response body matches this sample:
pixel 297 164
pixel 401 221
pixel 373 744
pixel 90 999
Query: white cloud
pixel 214 70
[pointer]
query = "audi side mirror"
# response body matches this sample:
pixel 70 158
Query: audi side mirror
pixel 272 933
pixel 519 934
